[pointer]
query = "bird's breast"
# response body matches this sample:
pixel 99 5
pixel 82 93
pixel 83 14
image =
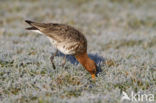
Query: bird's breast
pixel 52 41
pixel 64 46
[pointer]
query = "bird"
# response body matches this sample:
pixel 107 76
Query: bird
pixel 67 40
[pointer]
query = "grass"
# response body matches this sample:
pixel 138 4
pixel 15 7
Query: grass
pixel 121 39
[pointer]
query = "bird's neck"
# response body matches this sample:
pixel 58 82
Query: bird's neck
pixel 88 63
pixel 83 59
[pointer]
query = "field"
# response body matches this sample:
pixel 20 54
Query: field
pixel 121 38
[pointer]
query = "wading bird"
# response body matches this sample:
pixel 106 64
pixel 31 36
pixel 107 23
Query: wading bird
pixel 68 40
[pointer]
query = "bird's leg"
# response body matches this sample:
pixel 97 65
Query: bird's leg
pixel 52 58
pixel 64 61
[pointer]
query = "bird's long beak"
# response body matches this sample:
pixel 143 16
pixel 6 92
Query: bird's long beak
pixel 93 76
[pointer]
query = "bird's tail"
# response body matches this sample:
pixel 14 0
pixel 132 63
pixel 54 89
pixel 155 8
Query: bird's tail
pixel 32 27
pixel 29 22
pixel 35 25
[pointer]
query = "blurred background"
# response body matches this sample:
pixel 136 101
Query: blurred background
pixel 105 20
pixel 123 32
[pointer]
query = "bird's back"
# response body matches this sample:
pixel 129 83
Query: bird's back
pixel 64 37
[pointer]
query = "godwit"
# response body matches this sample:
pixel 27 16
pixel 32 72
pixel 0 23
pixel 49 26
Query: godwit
pixel 68 40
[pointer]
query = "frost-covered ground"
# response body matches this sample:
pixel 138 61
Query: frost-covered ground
pixel 121 38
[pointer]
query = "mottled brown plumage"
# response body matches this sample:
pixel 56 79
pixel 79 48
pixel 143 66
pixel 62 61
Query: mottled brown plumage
pixel 68 40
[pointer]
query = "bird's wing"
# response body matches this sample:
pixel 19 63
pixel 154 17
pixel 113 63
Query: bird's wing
pixel 52 30
pixel 59 32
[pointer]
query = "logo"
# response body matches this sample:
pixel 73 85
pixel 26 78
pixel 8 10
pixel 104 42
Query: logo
pixel 137 97
pixel 125 96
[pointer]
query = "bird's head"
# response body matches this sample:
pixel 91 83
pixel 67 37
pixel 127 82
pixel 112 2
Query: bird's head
pixel 88 63
pixel 91 67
